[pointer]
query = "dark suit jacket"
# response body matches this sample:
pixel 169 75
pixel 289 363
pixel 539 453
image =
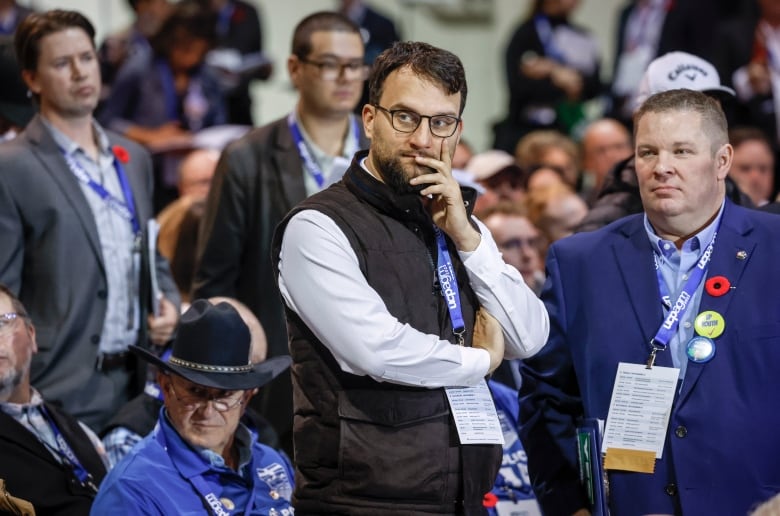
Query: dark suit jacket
pixel 734 44
pixel 687 27
pixel 259 178
pixel 51 258
pixel 244 33
pixel 602 295
pixel 526 93
pixel 32 473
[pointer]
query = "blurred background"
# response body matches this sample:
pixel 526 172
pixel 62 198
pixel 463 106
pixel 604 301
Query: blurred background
pixel 478 31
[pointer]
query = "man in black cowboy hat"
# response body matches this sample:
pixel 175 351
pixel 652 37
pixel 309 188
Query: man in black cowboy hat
pixel 200 455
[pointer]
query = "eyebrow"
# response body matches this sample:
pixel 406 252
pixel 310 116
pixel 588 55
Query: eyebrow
pixel 337 57
pixel 404 107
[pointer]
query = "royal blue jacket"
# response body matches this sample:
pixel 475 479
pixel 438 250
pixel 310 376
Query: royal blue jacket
pixel 159 476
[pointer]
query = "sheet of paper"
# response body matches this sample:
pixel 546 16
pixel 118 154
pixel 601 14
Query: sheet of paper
pixel 640 408
pixel 152 232
pixel 518 508
pixel 475 414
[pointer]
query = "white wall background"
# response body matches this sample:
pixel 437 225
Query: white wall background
pixel 479 42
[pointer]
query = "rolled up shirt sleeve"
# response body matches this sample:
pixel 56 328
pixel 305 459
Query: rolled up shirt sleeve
pixel 504 294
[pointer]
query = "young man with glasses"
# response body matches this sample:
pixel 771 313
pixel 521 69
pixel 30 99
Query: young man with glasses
pixel 200 455
pixel 48 457
pixel 388 282
pixel 263 175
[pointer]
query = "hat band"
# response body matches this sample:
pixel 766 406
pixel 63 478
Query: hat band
pixel 211 368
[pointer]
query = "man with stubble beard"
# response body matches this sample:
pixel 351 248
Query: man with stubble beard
pixel 394 294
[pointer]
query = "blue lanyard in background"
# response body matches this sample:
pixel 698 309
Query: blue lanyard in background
pixel 66 453
pixel 545 32
pixel 308 160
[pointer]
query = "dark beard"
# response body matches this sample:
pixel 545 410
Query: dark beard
pixel 393 175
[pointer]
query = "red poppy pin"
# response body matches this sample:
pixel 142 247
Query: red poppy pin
pixel 717 286
pixel 489 500
pixel 121 153
pixel 239 14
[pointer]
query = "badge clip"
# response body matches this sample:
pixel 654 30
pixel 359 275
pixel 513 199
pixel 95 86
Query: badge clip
pixel 651 359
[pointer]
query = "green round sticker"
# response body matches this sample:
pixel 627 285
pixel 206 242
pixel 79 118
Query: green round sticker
pixel 709 324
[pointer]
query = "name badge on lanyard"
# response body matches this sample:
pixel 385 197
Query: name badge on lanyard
pixel 472 407
pixel 642 395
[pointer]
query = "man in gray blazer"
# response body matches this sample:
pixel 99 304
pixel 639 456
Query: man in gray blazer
pixel 260 177
pixel 74 205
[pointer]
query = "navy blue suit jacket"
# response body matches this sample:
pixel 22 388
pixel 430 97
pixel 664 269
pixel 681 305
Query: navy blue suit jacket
pixel 721 454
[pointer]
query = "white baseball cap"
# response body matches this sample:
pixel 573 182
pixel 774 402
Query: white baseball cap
pixel 487 164
pixel 677 70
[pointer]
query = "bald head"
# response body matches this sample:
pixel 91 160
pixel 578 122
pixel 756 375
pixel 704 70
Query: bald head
pixel 605 143
pixel 195 173
pixel 259 342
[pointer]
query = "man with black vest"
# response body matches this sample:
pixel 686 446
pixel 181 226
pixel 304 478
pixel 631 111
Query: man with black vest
pixel 397 301
pixel 48 457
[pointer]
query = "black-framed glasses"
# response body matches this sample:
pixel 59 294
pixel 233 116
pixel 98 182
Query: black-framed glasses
pixel 7 322
pixel 332 70
pixel 407 121
pixel 196 400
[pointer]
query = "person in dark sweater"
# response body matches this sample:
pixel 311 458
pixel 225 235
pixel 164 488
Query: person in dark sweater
pixel 48 457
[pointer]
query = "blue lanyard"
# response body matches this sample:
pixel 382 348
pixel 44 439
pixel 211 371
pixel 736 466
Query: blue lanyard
pixel 679 308
pixel 449 285
pixel 126 208
pixel 200 484
pixel 544 30
pixel 66 453
pixel 169 90
pixel 223 19
pixel 308 160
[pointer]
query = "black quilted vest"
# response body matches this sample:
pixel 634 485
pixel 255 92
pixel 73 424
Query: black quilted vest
pixel 367 447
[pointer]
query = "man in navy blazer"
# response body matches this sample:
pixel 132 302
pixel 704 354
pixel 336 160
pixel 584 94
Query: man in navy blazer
pixel 74 206
pixel 605 294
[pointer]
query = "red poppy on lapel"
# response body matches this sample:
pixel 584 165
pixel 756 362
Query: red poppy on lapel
pixel 717 286
pixel 239 14
pixel 121 153
pixel 489 500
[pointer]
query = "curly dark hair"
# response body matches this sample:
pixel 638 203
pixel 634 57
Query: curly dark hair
pixel 437 65
pixel 188 20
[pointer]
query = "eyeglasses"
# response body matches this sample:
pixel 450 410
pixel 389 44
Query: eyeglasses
pixel 195 401
pixel 406 121
pixel 332 70
pixel 7 322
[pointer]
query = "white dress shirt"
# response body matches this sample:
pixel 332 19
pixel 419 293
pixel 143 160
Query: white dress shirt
pixel 321 281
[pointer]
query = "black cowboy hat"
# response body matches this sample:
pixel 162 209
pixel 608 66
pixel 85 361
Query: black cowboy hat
pixel 212 348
